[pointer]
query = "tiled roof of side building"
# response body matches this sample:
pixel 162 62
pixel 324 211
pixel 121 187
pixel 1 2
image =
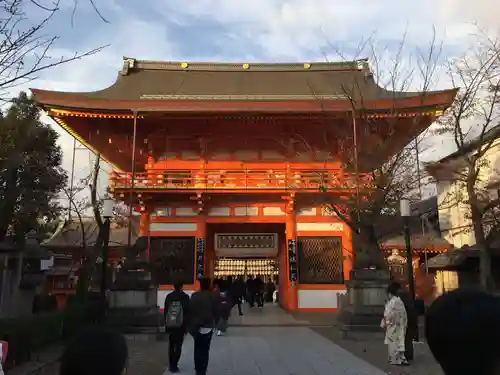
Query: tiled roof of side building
pixel 70 235
pixel 145 81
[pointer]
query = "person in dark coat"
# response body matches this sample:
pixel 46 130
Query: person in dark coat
pixel 224 307
pixel 176 332
pixel 251 291
pixel 95 351
pixel 412 326
pixel 259 291
pixel 203 315
pixel 270 288
pixel 462 328
pixel 237 293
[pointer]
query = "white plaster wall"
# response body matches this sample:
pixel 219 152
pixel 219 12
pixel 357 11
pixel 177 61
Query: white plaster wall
pixel 453 211
pixel 320 227
pixel 185 211
pixel 246 211
pixel 219 211
pixel 273 211
pixel 318 299
pixel 172 227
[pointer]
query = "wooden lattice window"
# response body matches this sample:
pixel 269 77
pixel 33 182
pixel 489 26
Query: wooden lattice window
pixel 320 260
pixel 173 259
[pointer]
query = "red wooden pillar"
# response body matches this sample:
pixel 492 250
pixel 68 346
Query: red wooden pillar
pixel 290 302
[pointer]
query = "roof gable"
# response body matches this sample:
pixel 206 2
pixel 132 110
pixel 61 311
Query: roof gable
pixel 143 84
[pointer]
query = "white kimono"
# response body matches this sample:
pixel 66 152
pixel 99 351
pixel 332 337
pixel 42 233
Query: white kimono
pixel 395 322
pixel 1 359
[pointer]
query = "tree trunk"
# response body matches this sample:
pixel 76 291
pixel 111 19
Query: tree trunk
pixel 8 203
pixel 20 246
pixel 87 268
pixel 485 274
pixel 366 249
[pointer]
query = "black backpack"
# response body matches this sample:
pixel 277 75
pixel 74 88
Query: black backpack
pixel 175 315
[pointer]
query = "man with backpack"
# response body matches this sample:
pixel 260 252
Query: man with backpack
pixel 176 314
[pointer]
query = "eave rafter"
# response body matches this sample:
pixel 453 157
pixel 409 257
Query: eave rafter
pixel 72 113
pixel 400 113
pixel 153 141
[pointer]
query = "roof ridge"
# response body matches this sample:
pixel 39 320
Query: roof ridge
pixel 130 63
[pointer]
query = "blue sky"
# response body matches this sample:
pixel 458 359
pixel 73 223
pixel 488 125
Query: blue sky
pixel 248 30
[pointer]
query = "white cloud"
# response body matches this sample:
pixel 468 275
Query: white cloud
pixel 298 27
pixel 128 36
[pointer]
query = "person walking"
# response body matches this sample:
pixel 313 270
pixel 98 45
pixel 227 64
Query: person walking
pixel 224 306
pixel 251 291
pixel 203 315
pixel 238 293
pixel 395 322
pixel 176 312
pixel 270 288
pixel 259 291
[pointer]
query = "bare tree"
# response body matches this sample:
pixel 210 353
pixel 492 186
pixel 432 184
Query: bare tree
pixel 87 268
pixel 24 48
pixel 384 171
pixel 473 123
pixel 81 204
pixel 78 205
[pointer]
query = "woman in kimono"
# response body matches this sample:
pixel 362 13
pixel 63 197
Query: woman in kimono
pixel 395 322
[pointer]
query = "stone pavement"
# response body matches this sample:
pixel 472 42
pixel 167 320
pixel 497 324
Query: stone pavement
pixel 146 355
pixel 276 351
pixel 273 342
pixel 270 315
pixel 370 347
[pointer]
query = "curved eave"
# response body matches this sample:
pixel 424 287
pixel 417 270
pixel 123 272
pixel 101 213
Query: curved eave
pixel 83 142
pixel 53 99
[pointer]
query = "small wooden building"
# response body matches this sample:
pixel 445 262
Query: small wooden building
pixel 22 271
pixel 460 267
pixel 71 243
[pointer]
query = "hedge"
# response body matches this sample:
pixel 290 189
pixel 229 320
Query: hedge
pixel 29 334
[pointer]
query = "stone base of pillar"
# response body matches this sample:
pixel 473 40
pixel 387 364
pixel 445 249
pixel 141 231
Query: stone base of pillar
pixel 362 307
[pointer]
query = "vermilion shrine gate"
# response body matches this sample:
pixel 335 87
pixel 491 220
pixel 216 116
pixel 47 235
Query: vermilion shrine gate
pixel 224 162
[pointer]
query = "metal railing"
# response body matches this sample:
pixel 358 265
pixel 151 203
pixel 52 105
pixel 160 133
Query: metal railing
pixel 208 179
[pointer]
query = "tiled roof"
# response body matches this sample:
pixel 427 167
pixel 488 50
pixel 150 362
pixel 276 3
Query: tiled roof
pixel 153 81
pixel 70 235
